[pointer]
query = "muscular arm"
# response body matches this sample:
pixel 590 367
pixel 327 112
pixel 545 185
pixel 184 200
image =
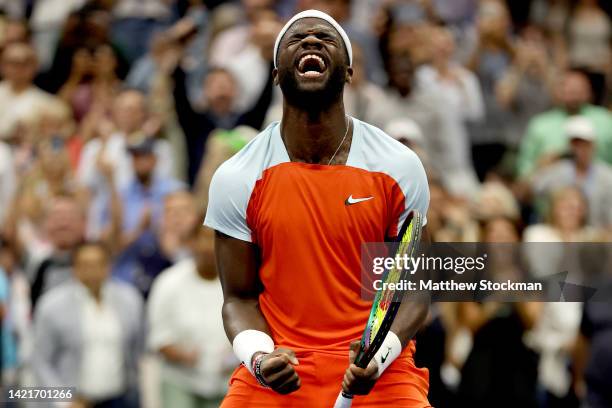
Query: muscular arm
pixel 237 263
pixel 409 319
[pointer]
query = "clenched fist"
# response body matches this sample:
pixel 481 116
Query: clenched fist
pixel 278 372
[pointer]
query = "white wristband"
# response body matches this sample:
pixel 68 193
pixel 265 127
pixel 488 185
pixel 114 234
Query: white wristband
pixel 390 349
pixel 249 342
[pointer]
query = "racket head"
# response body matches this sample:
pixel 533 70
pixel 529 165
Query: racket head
pixel 386 301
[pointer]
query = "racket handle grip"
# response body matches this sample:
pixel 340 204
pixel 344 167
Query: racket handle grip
pixel 343 400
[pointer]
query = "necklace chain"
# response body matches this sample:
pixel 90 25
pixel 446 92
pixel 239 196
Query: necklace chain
pixel 339 146
pixel 341 142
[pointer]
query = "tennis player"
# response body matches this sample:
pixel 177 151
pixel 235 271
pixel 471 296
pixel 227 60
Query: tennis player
pixel 291 210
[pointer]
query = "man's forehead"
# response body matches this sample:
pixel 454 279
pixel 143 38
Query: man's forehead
pixel 312 22
pixel 308 24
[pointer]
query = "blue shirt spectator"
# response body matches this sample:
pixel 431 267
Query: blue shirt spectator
pixel 142 201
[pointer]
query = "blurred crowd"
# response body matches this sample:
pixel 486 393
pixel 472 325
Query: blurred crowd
pixel 114 115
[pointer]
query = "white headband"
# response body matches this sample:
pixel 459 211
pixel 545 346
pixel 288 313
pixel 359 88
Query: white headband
pixel 322 16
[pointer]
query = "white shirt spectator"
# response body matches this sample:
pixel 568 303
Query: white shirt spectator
pixel 553 334
pixel 102 373
pixel 463 94
pixel 8 181
pixel 185 310
pixel 19 107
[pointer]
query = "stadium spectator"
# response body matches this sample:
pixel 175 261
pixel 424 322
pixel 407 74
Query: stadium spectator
pixel 64 228
pixel 458 85
pixel 495 200
pixel 220 93
pixel 451 219
pixel 131 122
pixel 58 129
pixel 8 180
pixel 489 60
pixel 88 333
pixel 526 88
pixel 46 172
pixel 446 143
pixel 14 31
pixel 47 21
pixel 187 331
pixel 251 65
pixel 179 221
pixel 232 40
pixel 558 327
pixel 87 26
pixel 191 32
pixel 498 340
pixel 93 80
pixel 593 360
pixel 20 100
pixel 498 330
pixel 135 21
pixel 551 15
pixel 565 220
pixel 589 35
pixel 456 13
pixel 141 258
pixel 14 314
pixel 580 169
pixel 545 140
pixel 361 94
pixel 49 177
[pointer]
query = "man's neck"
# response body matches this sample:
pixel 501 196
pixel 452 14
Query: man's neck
pixel 582 169
pixel 206 273
pixel 313 137
pixel 145 182
pixel 574 110
pixel 19 88
pixel 441 65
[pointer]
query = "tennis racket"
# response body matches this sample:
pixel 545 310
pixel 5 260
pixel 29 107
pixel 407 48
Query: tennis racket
pixel 386 302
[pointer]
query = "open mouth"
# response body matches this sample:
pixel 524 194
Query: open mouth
pixel 311 66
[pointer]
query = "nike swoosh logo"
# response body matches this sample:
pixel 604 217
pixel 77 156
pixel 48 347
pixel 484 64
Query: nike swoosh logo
pixel 384 358
pixel 350 200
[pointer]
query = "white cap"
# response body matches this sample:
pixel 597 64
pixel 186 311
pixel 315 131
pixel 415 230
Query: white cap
pixel 404 128
pixel 579 127
pixel 322 16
